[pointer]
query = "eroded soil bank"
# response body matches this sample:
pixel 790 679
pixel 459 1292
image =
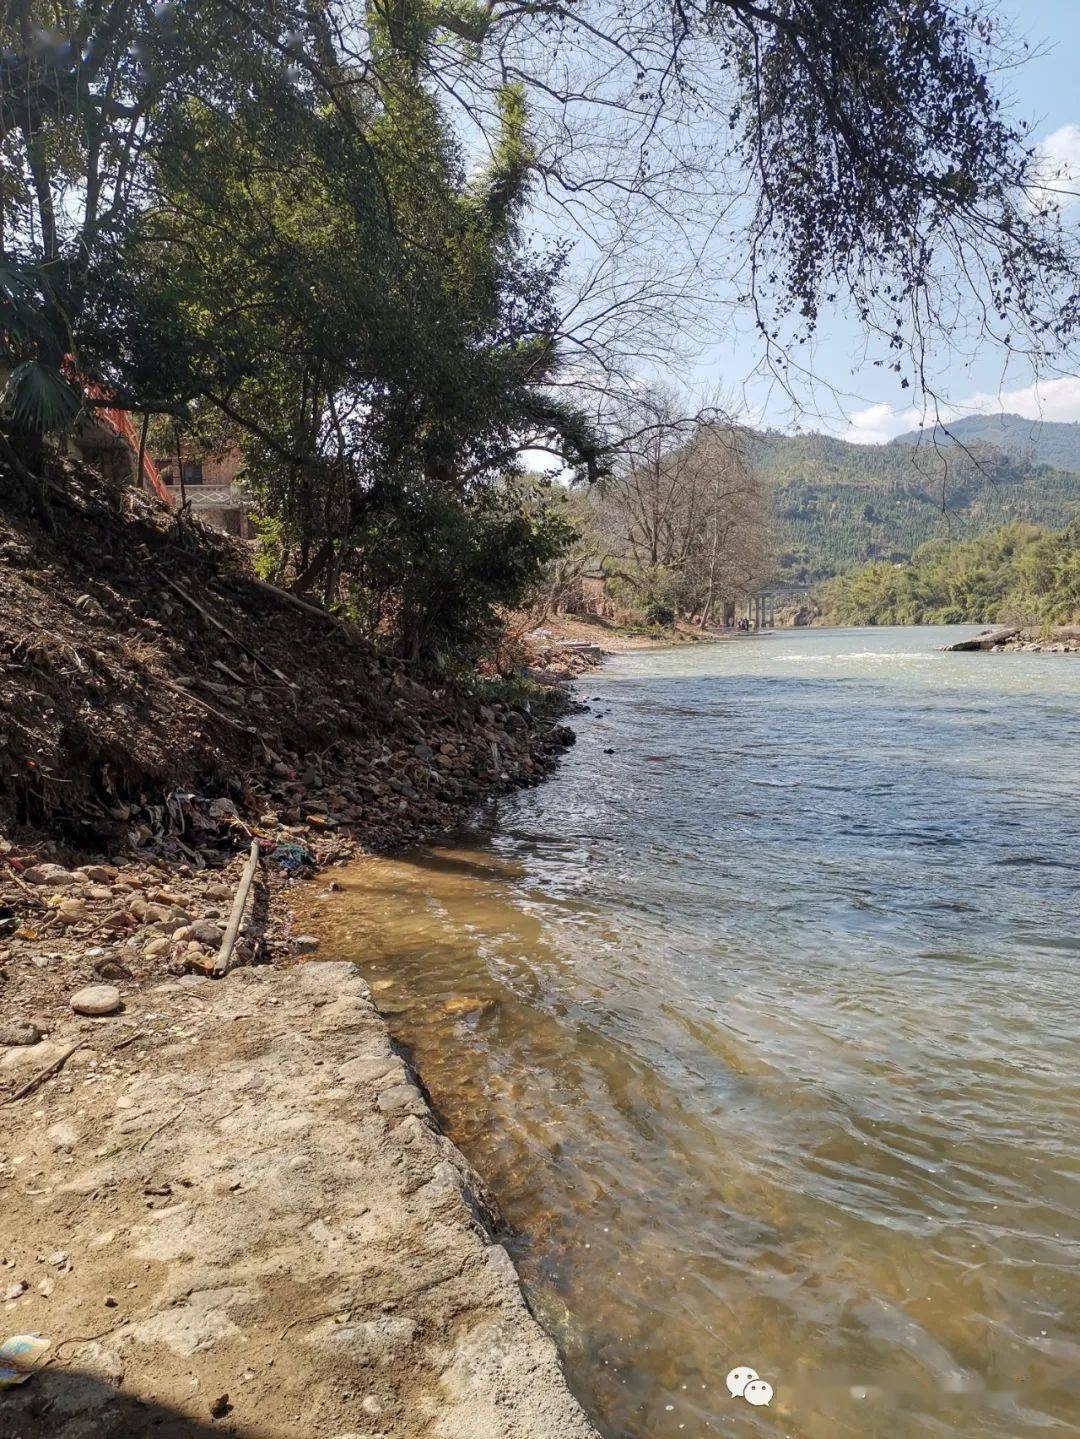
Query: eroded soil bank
pixel 230 1212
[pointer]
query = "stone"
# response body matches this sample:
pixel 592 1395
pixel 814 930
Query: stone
pixel 96 999
pixel 205 932
pixel 63 1136
pixel 305 943
pixel 54 876
pixel 19 1031
pixel 401 1097
pixel 98 873
pixel 14 1290
pixel 168 897
pixel 109 967
pixel 72 911
pixel 376 1341
pixel 194 1325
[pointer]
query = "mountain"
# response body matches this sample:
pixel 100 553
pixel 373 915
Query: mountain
pixel 1040 442
pixel 836 505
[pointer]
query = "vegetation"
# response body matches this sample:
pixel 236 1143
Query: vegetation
pixel 680 526
pixel 1018 573
pixel 312 228
pixel 1051 443
pixel 836 504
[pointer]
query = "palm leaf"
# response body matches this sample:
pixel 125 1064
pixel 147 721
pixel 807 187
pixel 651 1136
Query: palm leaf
pixel 19 313
pixel 38 399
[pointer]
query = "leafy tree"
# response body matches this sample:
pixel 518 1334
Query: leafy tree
pixel 1016 573
pixel 309 216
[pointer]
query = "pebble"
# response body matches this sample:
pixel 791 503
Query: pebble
pixel 72 911
pixel 205 932
pixel 111 968
pixel 63 1136
pixel 19 1031
pixel 98 873
pixel 305 943
pixel 96 999
pixel 52 875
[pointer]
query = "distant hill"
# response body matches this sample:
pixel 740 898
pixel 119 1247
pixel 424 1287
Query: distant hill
pixel 1039 442
pixel 836 505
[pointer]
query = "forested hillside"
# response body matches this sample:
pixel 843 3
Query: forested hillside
pixel 1018 573
pixel 1041 442
pixel 836 504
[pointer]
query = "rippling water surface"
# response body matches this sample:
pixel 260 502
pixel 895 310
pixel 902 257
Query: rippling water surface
pixel 763 1029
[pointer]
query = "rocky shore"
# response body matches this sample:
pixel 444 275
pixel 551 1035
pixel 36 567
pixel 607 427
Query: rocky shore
pixel 1056 640
pixel 226 1206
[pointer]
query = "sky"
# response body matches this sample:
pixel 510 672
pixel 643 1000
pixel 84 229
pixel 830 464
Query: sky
pixel 865 404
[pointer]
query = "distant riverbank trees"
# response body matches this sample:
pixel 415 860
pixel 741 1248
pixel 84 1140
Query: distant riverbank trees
pixel 678 530
pixel 1018 573
pixel 680 525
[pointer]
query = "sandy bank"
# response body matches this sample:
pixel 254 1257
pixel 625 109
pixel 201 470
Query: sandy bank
pixel 230 1212
pixel 594 630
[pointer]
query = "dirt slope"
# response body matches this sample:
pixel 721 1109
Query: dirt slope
pixel 139 657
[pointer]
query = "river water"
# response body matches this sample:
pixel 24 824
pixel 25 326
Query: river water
pixel 761 1020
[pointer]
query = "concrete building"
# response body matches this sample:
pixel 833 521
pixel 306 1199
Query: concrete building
pixel 210 488
pixel 105 439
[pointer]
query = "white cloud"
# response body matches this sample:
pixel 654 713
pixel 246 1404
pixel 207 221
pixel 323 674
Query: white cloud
pixel 1044 400
pixel 879 423
pixel 1058 168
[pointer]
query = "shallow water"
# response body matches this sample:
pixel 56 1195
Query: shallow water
pixel 763 1031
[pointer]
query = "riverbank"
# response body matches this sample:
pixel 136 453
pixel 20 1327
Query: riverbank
pixel 226 1207
pixel 1052 640
pixel 231 1212
pixel 567 646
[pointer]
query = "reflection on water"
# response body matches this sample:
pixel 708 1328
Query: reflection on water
pixel 763 1030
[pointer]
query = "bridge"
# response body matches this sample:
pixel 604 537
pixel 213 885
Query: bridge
pixel 757 609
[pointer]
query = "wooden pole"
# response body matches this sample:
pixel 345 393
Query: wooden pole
pixel 142 448
pixel 228 943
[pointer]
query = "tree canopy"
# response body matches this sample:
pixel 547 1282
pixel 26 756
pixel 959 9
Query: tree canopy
pixel 1018 573
pixel 393 247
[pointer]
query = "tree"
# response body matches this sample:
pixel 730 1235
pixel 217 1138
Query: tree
pixel 1016 573
pixel 684 513
pixel 311 216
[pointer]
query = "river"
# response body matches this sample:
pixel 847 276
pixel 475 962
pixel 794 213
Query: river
pixel 761 1020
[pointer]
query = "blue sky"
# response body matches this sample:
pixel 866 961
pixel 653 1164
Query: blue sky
pixel 865 404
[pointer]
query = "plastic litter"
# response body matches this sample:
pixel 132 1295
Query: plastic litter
pixel 19 1357
pixel 292 859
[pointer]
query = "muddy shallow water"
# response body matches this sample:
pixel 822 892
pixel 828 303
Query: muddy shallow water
pixel 763 1029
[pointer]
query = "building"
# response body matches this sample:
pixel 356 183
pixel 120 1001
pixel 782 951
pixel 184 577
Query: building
pixel 105 439
pixel 210 487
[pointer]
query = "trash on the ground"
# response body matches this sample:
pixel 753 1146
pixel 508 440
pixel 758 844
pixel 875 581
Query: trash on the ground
pixel 19 1357
pixel 293 859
